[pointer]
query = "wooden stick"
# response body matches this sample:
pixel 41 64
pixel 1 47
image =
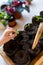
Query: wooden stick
pixel 38 34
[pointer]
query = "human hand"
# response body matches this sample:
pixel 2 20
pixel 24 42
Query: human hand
pixel 7 35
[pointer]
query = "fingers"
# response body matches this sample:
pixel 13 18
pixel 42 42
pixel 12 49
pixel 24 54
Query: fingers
pixel 9 30
pixel 11 37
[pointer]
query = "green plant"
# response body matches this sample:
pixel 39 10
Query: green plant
pixel 27 25
pixel 4 22
pixel 4 15
pixel 41 36
pixel 17 32
pixel 38 18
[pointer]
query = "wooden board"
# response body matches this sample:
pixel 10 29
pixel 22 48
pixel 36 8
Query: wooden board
pixel 36 60
pixel 5 57
pixel 10 62
pixel 40 61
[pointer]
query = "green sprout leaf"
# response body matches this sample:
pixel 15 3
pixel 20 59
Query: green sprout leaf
pixel 17 32
pixel 42 36
pixel 38 18
pixel 27 25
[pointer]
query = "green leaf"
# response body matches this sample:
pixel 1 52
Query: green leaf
pixel 1 16
pixel 3 13
pixel 38 18
pixel 42 36
pixel 4 22
pixel 30 0
pixel 27 25
pixel 17 32
pixel 19 8
pixel 27 8
pixel 6 17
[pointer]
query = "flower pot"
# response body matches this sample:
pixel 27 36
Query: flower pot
pixel 12 23
pixel 17 15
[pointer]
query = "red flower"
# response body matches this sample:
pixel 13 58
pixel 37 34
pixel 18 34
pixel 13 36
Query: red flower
pixel 15 3
pixel 24 2
pixel 6 9
pixel 11 10
pixel 20 3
